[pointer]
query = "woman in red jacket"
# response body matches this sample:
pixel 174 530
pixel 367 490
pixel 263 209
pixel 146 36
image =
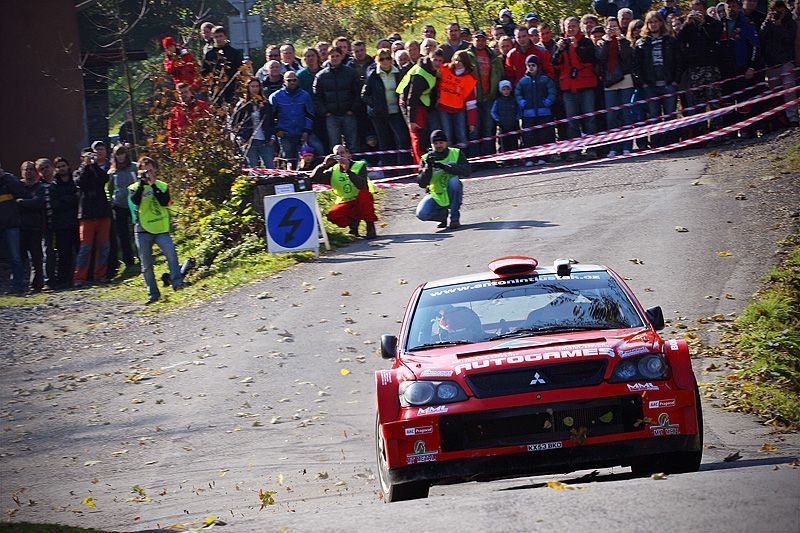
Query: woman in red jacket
pixel 574 57
pixel 458 100
pixel 179 63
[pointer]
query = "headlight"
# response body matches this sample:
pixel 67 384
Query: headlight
pixel 649 366
pixel 423 392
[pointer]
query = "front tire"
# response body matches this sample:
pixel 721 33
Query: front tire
pixel 395 492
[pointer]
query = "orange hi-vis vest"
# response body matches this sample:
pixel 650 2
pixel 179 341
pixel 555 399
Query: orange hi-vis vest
pixel 454 91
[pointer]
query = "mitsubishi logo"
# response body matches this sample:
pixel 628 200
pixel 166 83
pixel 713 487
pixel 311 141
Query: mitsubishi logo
pixel 537 380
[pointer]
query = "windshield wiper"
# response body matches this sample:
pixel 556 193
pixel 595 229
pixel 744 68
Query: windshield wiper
pixel 524 332
pixel 439 344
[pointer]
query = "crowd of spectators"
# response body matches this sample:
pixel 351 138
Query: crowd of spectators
pixel 67 228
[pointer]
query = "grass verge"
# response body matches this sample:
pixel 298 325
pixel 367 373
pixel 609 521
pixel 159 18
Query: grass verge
pixel 229 272
pixel 763 346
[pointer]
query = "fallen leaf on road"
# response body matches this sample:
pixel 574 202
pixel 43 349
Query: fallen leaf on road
pixel 280 479
pixel 89 502
pixel 696 182
pixel 321 475
pixel 401 281
pixel 350 331
pixel 636 261
pixel 119 452
pixel 681 229
pixel 658 475
pixel 248 379
pixel 562 486
pixel 729 296
pixel 230 315
pixel 344 371
pixel 724 254
pixel 733 457
pixel 91 463
pixel 137 401
pixel 266 497
pixel 767 447
pixel 345 293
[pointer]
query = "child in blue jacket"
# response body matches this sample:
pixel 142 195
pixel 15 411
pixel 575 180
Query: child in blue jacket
pixel 535 95
pixel 505 111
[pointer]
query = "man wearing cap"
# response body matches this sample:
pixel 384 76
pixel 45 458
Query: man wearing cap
pixel 506 20
pixel 515 61
pixel 354 201
pixel 438 172
pixel 489 72
pixel 531 20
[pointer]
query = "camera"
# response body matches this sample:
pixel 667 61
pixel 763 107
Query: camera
pixel 144 176
pixel 573 73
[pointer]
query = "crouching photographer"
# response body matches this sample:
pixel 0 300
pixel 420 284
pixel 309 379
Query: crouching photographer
pixel 148 199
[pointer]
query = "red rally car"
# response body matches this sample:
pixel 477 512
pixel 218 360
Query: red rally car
pixel 524 370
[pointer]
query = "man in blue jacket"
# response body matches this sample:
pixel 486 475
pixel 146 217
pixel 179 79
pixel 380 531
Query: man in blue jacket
pixel 294 113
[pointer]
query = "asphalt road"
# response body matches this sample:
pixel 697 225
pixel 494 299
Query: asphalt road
pixel 252 391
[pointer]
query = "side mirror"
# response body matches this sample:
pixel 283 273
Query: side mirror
pixel 388 346
pixel 656 317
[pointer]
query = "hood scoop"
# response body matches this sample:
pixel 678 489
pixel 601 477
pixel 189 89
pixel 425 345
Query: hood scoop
pixel 524 345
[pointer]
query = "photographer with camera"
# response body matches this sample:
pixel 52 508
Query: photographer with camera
pixel 354 201
pixel 439 170
pixel 574 58
pixel 94 213
pixel 148 200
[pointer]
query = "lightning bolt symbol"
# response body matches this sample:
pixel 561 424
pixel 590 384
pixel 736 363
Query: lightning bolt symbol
pixel 288 222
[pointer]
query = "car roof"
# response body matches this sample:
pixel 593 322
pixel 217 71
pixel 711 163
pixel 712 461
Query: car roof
pixel 489 275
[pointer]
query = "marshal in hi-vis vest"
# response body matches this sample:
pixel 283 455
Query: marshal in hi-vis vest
pixel 152 216
pixel 439 179
pixel 341 184
pixel 425 97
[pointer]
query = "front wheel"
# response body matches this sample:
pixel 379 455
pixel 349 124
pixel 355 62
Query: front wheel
pixel 395 492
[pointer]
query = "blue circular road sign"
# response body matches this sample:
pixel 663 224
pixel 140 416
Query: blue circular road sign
pixel 290 223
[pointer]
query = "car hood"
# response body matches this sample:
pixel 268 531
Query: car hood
pixel 451 361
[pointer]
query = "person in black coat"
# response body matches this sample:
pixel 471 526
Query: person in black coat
pixel 223 61
pixel 778 41
pixel 383 108
pixel 253 126
pixel 65 222
pixel 11 188
pixel 31 214
pixel 336 89
pixel 94 213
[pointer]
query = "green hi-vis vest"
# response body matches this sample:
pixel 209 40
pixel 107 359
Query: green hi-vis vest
pixel 341 184
pixel 438 185
pixel 153 217
pixel 425 98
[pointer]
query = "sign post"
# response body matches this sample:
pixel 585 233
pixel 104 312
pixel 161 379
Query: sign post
pixel 293 223
pixel 245 30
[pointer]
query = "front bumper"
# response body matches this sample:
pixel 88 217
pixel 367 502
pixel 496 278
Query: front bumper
pixel 543 462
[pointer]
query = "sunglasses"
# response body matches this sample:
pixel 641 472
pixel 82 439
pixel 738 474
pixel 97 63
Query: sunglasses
pixel 385 58
pixel 291 81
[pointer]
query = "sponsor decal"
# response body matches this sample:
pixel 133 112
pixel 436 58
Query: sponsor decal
pixel 516 359
pixel 658 404
pixel 432 410
pixel 436 373
pixel 638 387
pixel 421 455
pixel 633 351
pixel 673 345
pixel 424 430
pixel 482 285
pixel 537 380
pixel 664 427
pixel 386 377
pixel 544 446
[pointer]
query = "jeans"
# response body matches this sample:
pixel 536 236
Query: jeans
pixel 428 209
pixel 663 106
pixel 578 103
pixel 486 128
pixel 454 126
pixel 48 241
pixel 260 150
pixel 10 240
pixel 342 125
pixel 31 247
pixel 290 146
pixel 145 241
pixel 392 133
pixel 621 117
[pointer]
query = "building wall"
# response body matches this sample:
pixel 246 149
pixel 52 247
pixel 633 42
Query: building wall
pixel 41 100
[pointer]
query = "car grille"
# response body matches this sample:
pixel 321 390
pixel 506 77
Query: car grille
pixel 541 423
pixel 537 378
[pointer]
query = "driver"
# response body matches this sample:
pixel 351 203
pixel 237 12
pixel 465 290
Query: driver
pixel 461 323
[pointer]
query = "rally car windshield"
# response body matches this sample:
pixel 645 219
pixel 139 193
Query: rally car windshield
pixel 519 307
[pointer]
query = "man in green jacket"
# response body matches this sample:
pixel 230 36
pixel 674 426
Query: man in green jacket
pixel 438 173
pixel 148 201
pixel 489 71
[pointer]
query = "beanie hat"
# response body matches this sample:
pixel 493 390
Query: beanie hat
pixel 167 41
pixel 438 135
pixel 505 13
pixel 504 83
pixel 532 59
